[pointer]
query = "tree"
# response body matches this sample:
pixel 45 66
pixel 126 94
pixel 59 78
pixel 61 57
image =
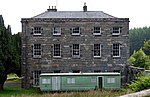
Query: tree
pixel 137 37
pixel 9 56
pixel 139 59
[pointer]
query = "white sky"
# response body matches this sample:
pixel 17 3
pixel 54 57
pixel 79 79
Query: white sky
pixel 138 11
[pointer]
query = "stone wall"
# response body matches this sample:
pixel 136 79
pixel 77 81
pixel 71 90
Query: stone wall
pixel 86 62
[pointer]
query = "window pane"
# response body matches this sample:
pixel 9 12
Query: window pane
pixel 97 50
pixel 116 50
pixel 57 31
pixel 76 31
pixel 37 31
pixel 57 50
pixel 36 75
pixel 37 50
pixel 76 50
pixel 116 30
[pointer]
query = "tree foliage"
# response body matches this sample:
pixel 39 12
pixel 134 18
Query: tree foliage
pixel 137 37
pixel 139 59
pixel 9 54
pixel 141 84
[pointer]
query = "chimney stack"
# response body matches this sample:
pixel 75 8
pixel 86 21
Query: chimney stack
pixel 53 9
pixel 85 7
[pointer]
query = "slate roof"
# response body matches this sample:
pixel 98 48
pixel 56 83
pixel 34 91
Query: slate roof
pixel 74 14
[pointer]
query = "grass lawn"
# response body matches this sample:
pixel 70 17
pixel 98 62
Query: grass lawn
pixel 16 91
pixel 13 91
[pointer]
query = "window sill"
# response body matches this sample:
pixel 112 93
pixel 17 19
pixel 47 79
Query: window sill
pixel 57 57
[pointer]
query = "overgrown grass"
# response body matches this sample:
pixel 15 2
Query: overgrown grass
pixel 16 91
pixel 10 91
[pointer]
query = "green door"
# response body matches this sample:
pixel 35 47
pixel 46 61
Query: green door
pixel 56 83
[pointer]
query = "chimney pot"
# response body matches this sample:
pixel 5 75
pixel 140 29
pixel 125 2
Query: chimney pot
pixel 85 7
pixel 53 9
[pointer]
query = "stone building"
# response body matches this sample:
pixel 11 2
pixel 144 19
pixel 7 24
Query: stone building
pixel 73 41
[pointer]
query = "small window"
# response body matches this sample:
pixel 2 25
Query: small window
pixel 76 31
pixel 56 31
pixel 37 31
pixel 36 75
pixel 110 80
pixel 116 30
pixel 71 80
pixel 93 80
pixel 57 50
pixel 37 51
pixel 116 50
pixel 97 50
pixel 76 51
pixel 45 81
pixel 97 31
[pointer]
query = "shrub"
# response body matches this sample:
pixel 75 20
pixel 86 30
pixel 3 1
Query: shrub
pixel 141 84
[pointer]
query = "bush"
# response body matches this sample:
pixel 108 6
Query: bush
pixel 141 84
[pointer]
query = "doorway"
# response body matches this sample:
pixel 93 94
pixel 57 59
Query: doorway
pixel 100 81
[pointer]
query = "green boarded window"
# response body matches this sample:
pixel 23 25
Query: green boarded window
pixel 46 81
pixel 93 80
pixel 111 80
pixel 70 80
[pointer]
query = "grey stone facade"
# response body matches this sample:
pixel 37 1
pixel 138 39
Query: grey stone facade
pixel 86 62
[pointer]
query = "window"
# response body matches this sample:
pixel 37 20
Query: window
pixel 36 75
pixel 46 81
pixel 37 31
pixel 93 79
pixel 116 50
pixel 116 30
pixel 110 80
pixel 76 31
pixel 57 31
pixel 71 80
pixel 97 50
pixel 37 51
pixel 76 51
pixel 57 50
pixel 97 31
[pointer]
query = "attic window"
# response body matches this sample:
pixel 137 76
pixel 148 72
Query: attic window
pixel 97 31
pixel 56 31
pixel 76 31
pixel 116 30
pixel 37 31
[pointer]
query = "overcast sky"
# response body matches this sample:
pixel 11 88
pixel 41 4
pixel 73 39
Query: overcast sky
pixel 138 11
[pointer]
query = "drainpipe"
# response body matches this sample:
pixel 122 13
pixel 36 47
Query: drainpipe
pixel 26 52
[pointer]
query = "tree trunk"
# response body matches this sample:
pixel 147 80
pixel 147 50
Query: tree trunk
pixel 2 81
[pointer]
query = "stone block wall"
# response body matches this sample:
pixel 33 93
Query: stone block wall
pixel 86 39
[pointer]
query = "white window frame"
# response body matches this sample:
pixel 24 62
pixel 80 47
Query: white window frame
pixel 115 30
pixel 75 50
pixel 116 50
pixel 37 31
pixel 36 75
pixel 71 80
pixel 111 80
pixel 76 29
pixel 96 30
pixel 94 50
pixel 46 81
pixel 57 31
pixel 54 51
pixel 35 50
